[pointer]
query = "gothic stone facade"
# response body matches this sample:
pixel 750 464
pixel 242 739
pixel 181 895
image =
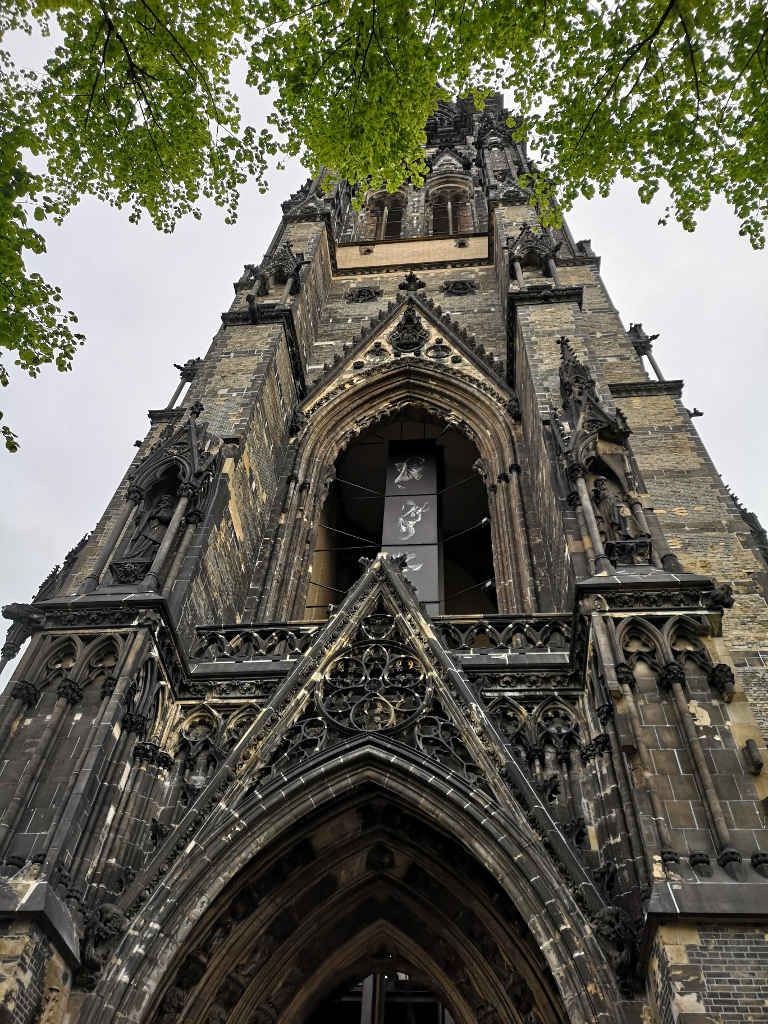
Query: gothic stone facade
pixel 224 799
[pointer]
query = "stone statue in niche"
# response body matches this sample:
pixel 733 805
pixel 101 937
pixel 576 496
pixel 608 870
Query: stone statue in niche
pixel 150 529
pixel 139 552
pixel 623 536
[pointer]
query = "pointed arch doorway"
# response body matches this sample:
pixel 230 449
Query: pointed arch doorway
pixel 372 915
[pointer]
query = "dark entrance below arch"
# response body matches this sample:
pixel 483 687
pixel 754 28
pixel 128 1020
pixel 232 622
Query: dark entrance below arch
pixel 394 997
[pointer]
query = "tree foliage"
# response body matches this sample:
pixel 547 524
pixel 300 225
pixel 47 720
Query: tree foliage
pixel 134 106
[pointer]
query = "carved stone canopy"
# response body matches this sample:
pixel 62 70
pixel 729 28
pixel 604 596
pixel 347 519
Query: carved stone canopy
pixel 579 393
pixel 285 263
pixel 531 246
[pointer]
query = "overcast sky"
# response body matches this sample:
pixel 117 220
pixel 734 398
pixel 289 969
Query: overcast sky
pixel 146 300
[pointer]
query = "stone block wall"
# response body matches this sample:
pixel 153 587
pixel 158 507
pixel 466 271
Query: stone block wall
pixel 703 527
pixel 697 515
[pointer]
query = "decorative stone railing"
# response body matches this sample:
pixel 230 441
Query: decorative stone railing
pixel 466 634
pixel 279 640
pixel 512 633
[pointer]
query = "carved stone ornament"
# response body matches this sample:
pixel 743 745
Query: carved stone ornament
pixel 25 619
pixel 458 287
pixel 70 691
pixel 438 351
pixel 139 553
pixel 412 283
pixel 410 335
pixel 719 598
pixel 103 926
pixel 285 263
pixel 188 370
pixel 670 674
pixel 721 679
pixel 374 688
pixel 363 293
pixel 26 692
pixel 513 192
pixel 617 522
pixel 618 933
pixel 580 399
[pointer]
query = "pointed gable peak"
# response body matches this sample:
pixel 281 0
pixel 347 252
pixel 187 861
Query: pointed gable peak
pixel 376 673
pixel 415 328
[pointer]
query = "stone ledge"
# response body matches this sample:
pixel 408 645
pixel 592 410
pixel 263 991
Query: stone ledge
pixel 543 295
pixel 714 901
pixel 36 901
pixel 641 388
pixel 577 261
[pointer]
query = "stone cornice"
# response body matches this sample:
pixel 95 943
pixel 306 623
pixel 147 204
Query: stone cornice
pixel 164 415
pixel 393 268
pixel 642 388
pixel 578 261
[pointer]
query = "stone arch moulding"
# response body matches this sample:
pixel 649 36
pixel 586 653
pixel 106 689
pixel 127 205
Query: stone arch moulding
pixel 269 828
pixel 453 397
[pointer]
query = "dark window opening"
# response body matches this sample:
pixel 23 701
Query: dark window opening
pixel 394 222
pixel 408 486
pixel 451 214
pixel 383 218
pixel 441 224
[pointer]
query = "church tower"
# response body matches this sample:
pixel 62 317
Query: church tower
pixel 414 672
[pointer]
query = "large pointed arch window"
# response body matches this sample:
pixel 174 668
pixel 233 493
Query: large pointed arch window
pixel 408 487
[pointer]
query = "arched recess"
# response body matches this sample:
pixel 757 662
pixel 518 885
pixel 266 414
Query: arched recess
pixel 383 216
pixel 449 396
pixel 272 905
pixel 451 210
pixel 410 484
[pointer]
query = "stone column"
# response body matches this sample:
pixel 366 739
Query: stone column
pixel 621 678
pixel 518 271
pixel 626 680
pixel 133 497
pixel 152 579
pixel 193 519
pixel 68 693
pixel 576 474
